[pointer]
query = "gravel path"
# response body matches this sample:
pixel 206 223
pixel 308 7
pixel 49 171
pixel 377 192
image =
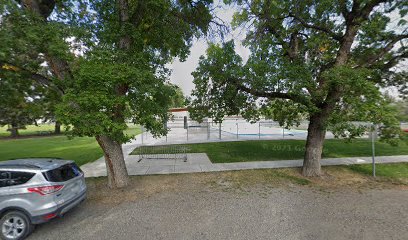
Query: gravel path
pixel 197 210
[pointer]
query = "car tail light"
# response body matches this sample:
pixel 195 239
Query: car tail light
pixel 46 189
pixel 49 216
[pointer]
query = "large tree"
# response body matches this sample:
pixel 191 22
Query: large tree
pixel 401 107
pixel 323 59
pixel 178 100
pixel 107 59
pixel 20 103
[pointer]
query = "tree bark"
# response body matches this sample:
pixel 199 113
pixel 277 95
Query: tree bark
pixel 115 163
pixel 57 127
pixel 314 145
pixel 14 130
pixel 60 67
pixel 43 8
pixel 317 123
pixel 114 159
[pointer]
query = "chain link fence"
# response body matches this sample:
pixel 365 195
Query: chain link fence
pixel 182 130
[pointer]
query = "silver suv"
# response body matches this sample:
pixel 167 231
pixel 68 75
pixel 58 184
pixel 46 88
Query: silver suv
pixel 33 191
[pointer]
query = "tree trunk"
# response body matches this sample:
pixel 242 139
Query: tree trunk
pixel 14 130
pixel 115 162
pixel 57 128
pixel 314 146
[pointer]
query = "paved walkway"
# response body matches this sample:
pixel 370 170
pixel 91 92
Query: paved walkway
pixel 199 162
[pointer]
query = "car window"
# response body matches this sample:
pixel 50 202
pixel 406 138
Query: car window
pixel 18 178
pixel 4 178
pixel 63 173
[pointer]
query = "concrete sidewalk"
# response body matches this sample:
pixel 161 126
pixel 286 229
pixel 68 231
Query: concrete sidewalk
pixel 199 162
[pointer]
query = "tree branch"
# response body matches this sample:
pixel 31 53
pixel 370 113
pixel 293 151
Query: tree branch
pixel 268 26
pixel 40 79
pixel 332 34
pixel 272 95
pixel 366 10
pixel 275 33
pixel 343 8
pixel 385 50
pixel 393 61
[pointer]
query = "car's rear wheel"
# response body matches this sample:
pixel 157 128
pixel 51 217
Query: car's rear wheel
pixel 15 225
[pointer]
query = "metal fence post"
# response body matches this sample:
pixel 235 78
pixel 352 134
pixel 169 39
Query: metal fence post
pixel 142 133
pixel 237 131
pixel 373 133
pixel 208 130
pixel 283 133
pixel 187 132
pixel 165 126
pixel 259 130
pixel 219 130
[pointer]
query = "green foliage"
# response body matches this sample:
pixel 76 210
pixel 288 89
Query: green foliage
pixel 214 96
pixel 112 84
pixel 178 100
pixel 286 113
pixel 161 27
pixel 19 103
pixel 23 101
pixel 296 70
pixel 401 107
pixel 109 69
pixel 362 103
pixel 24 38
pixel 92 100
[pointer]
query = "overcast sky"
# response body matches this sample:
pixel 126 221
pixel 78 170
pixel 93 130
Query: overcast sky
pixel 181 71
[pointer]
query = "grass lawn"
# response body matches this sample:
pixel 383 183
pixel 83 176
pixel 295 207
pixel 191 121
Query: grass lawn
pixel 81 149
pixel 30 130
pixel 42 128
pixel 224 152
pixel 353 176
pixel 390 170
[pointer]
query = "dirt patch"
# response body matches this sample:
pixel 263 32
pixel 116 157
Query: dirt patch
pixel 143 187
pixel 333 179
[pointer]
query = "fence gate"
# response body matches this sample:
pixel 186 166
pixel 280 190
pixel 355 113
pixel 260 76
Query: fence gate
pixel 162 152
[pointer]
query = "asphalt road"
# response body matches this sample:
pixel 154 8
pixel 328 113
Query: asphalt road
pixel 208 211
